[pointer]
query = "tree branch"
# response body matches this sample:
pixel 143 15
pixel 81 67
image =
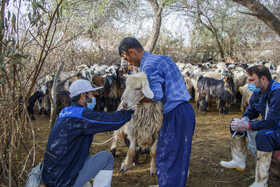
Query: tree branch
pixel 53 95
pixel 262 13
pixel 42 59
pixel 35 39
pixel 249 13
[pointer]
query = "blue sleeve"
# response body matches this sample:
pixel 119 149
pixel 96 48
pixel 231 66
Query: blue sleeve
pixel 250 111
pixel 103 122
pixel 155 81
pixel 273 116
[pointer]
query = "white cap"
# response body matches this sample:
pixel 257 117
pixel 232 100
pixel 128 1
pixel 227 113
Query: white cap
pixel 81 86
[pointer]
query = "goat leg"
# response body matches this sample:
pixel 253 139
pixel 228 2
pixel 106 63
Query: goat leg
pixel 153 152
pixel 130 154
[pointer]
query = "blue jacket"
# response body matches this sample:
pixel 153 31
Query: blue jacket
pixel 70 140
pixel 257 105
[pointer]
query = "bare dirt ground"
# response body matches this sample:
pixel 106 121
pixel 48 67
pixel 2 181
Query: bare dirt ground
pixel 210 146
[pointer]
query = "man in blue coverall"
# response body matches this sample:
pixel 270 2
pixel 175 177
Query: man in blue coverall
pixel 265 91
pixel 67 161
pixel 168 85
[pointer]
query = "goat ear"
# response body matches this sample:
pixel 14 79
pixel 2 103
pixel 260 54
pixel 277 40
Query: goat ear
pixel 147 91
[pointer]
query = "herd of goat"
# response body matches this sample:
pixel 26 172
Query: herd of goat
pixel 209 83
pixel 221 84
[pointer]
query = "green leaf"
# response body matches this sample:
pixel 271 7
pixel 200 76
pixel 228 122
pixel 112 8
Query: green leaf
pixel 61 12
pixel 1 59
pixel 19 55
pixel 29 16
pixel 6 23
pixel 19 62
pixel 1 27
pixel 38 31
pixel 14 22
pixel 41 7
pixel 57 13
pixel 35 21
pixel 3 81
pixel 34 5
pixel 11 51
pixel 9 15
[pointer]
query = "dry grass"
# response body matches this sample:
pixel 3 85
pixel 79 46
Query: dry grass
pixel 210 146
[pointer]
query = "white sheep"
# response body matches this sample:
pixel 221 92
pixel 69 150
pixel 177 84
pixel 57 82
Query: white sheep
pixel 143 128
pixel 240 79
pixel 278 71
pixel 211 74
pixel 246 94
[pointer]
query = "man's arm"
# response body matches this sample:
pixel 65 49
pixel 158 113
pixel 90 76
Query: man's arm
pixel 102 122
pixel 273 116
pixel 155 82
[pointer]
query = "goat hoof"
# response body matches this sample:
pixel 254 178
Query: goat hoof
pixel 135 161
pixel 146 150
pixel 33 118
pixel 113 152
pixel 123 168
pixel 127 142
pixel 226 111
pixel 153 173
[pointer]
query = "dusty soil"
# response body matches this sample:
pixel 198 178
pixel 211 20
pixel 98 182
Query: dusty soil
pixel 210 146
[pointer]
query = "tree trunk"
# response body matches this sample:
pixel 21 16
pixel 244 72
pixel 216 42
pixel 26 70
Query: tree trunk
pixel 214 32
pixel 151 43
pixel 231 43
pixel 2 32
pixel 221 50
pixel 53 95
pixel 262 13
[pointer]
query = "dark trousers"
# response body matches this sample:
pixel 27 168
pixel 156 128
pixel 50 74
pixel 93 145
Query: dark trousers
pixel 268 140
pixel 174 146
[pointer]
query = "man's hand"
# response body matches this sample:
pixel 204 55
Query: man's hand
pixel 239 125
pixel 146 100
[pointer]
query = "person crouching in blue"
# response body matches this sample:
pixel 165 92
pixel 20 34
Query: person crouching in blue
pixel 67 161
pixel 265 101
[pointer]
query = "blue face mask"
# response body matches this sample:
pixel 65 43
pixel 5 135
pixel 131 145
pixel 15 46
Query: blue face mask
pixel 92 104
pixel 252 87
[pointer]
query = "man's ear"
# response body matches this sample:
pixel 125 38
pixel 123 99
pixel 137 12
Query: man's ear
pixel 83 96
pixel 131 52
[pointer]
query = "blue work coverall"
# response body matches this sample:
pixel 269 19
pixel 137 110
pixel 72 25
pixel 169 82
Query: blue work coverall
pixel 70 140
pixel 268 137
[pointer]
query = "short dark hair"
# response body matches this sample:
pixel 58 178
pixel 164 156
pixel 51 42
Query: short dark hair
pixel 260 70
pixel 77 97
pixel 129 43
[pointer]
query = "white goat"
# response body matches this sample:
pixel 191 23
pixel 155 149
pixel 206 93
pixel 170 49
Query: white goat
pixel 143 128
pixel 246 95
pixel 278 70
